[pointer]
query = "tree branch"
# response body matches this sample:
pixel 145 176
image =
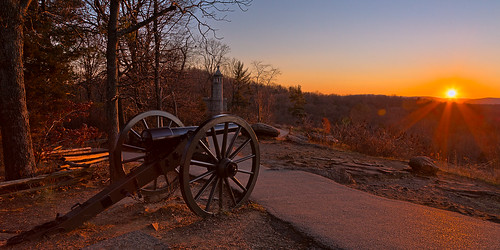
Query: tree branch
pixel 24 5
pixel 147 21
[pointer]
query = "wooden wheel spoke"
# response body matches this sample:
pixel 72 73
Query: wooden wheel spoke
pixel 216 143
pixel 221 184
pixel 211 196
pixel 128 146
pixel 159 122
pixel 135 133
pixel 207 150
pixel 230 191
pixel 240 160
pixel 224 139
pixel 238 150
pixel 145 123
pixel 202 164
pixel 245 171
pixel 204 188
pixel 155 183
pixel 170 124
pixel 238 183
pixel 166 180
pixel 233 140
pixel 199 177
pixel 134 159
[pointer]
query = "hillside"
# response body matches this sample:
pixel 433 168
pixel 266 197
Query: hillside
pixel 484 101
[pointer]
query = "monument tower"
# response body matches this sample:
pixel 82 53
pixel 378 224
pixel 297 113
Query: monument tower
pixel 216 102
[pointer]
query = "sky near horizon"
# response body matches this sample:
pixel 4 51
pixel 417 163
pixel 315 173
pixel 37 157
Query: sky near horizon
pixel 390 47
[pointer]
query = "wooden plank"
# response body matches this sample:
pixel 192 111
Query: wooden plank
pixel 66 151
pixel 85 157
pixel 99 151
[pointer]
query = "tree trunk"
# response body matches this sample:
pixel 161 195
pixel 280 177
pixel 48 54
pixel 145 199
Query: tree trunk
pixel 16 138
pixel 157 59
pixel 111 84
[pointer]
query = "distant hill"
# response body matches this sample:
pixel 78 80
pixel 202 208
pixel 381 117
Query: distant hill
pixel 481 101
pixel 484 101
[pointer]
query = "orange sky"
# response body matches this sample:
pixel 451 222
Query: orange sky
pixel 391 47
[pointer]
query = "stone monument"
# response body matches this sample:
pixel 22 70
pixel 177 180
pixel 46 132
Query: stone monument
pixel 216 103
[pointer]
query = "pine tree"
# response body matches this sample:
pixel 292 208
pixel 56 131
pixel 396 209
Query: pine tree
pixel 241 89
pixel 299 101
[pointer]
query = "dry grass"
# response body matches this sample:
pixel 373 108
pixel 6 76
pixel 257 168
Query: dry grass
pixel 381 142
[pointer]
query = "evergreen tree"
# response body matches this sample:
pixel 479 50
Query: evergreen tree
pixel 299 101
pixel 49 50
pixel 241 89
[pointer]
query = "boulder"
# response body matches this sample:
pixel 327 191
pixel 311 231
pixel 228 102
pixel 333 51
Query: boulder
pixel 262 129
pixel 423 165
pixel 340 175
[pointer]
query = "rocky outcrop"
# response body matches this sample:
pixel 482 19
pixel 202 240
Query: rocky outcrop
pixel 299 139
pixel 262 129
pixel 423 165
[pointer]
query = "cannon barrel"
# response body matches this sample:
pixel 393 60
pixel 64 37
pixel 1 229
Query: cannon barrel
pixel 165 133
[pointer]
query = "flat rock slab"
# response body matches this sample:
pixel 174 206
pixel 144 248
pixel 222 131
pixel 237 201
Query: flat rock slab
pixel 131 240
pixel 341 217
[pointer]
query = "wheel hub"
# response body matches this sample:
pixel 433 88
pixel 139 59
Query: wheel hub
pixel 227 168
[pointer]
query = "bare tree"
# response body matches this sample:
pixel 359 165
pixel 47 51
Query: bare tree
pixel 264 74
pixel 91 64
pixel 112 71
pixel 16 139
pixel 213 53
pixel 198 11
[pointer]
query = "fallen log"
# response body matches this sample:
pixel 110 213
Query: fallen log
pixel 39 182
pixel 68 182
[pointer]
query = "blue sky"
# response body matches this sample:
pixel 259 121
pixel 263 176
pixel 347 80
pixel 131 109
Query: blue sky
pixel 397 47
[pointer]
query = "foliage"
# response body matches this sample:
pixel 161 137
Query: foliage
pixel 327 127
pixel 298 100
pixel 49 49
pixel 241 87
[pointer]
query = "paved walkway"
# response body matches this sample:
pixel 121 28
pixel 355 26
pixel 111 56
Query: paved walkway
pixel 342 217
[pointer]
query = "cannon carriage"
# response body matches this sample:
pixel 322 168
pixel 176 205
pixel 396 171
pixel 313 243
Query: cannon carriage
pixel 215 164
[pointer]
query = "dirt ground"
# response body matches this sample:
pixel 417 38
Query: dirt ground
pixel 248 227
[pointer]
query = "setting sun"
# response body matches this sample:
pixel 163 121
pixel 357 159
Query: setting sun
pixel 451 93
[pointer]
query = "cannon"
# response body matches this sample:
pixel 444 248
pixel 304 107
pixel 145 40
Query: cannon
pixel 215 164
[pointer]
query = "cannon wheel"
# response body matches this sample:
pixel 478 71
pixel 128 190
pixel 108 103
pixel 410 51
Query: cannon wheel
pixel 218 172
pixel 130 153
